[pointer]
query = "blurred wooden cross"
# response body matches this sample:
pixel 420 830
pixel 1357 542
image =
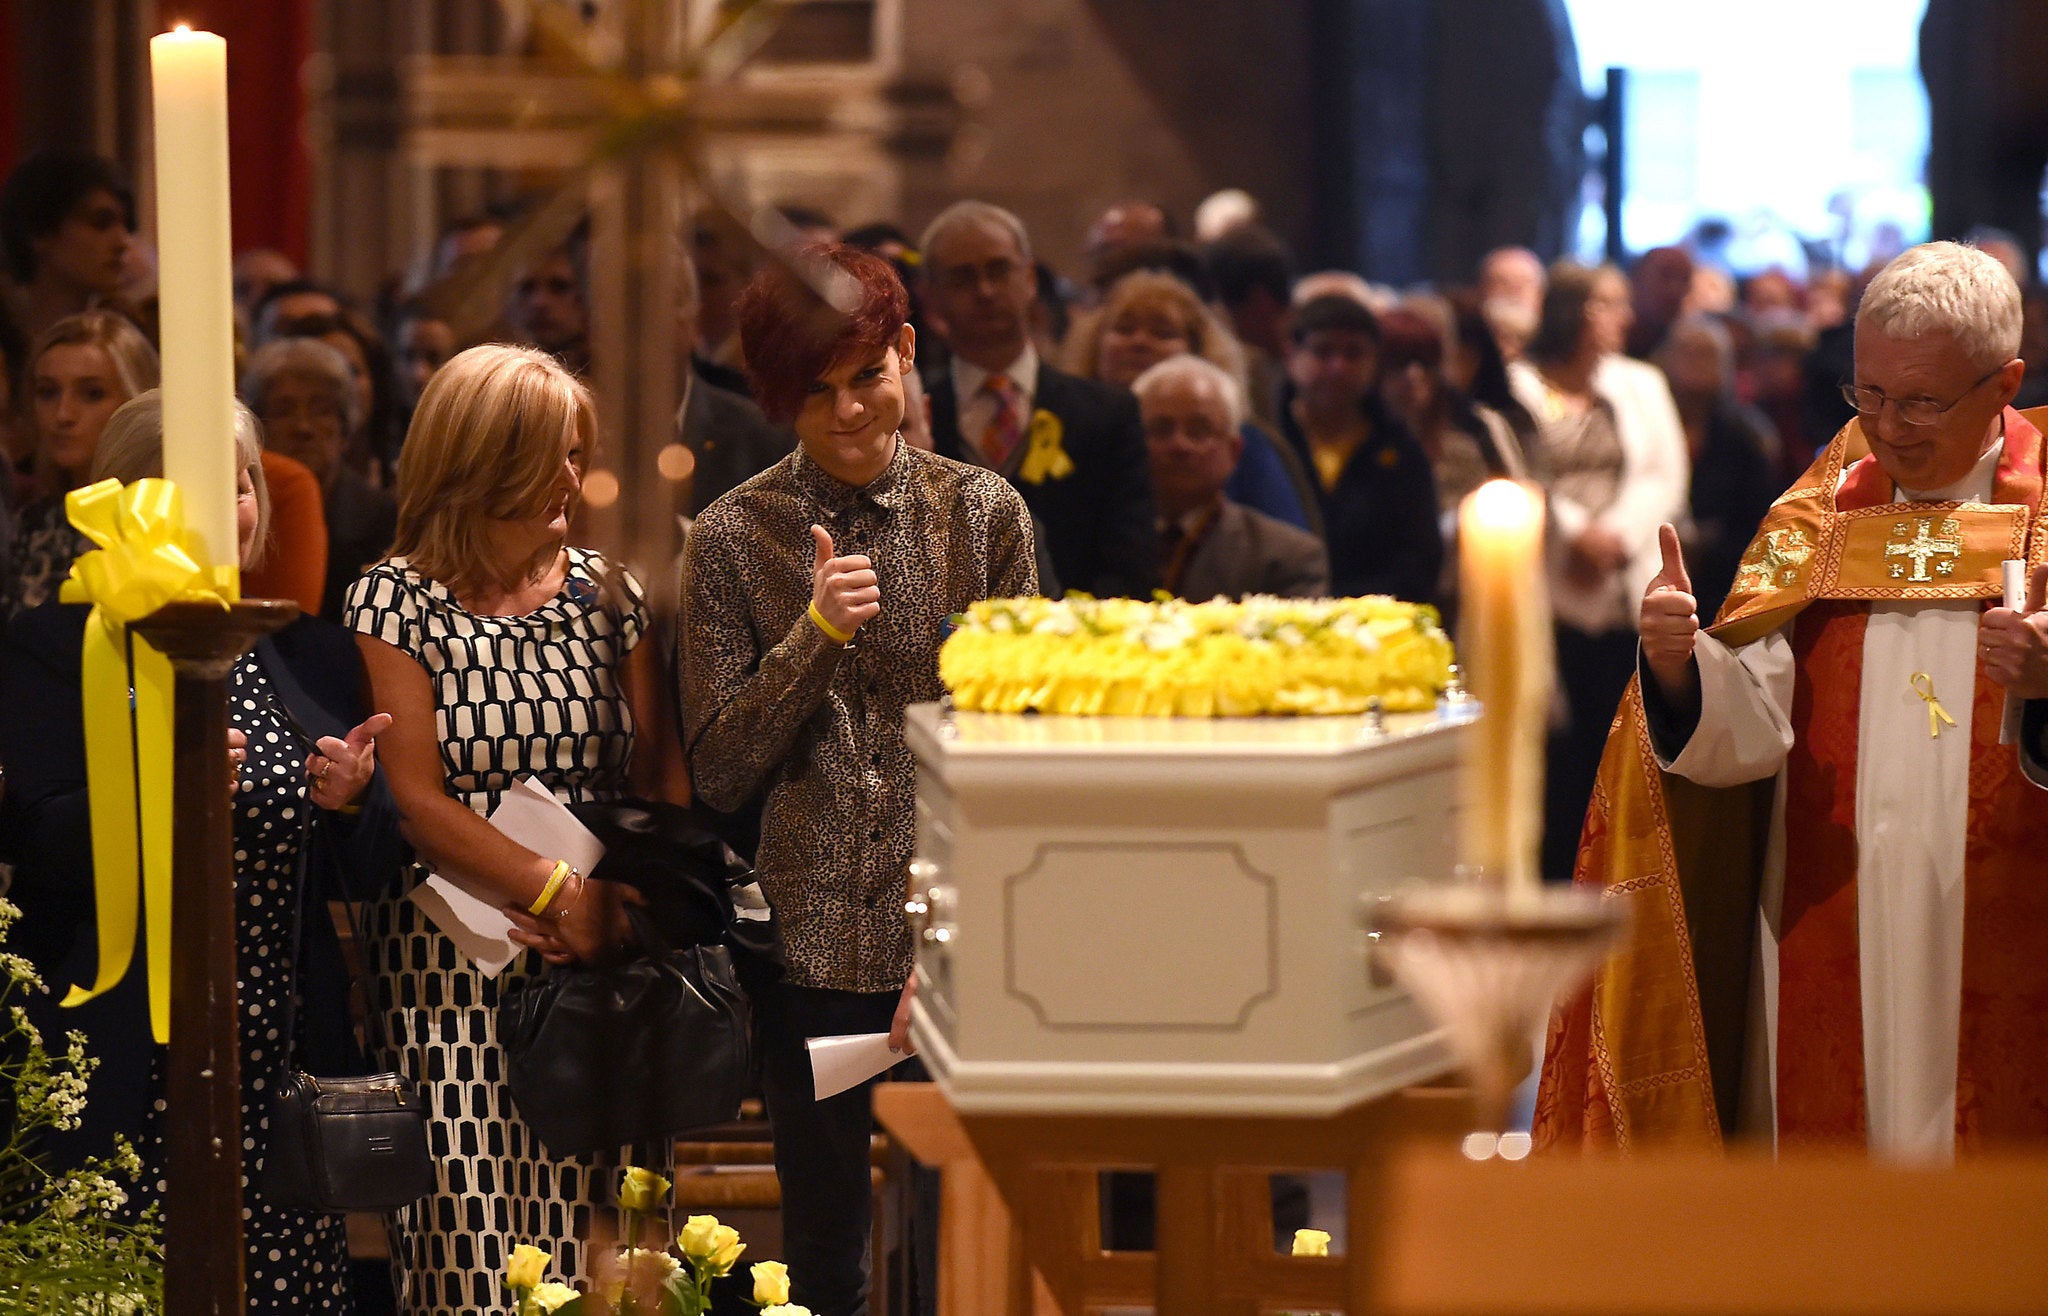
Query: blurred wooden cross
pixel 622 99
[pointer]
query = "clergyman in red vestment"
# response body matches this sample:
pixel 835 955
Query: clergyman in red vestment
pixel 1826 811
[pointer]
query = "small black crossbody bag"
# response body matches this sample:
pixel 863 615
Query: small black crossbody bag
pixel 356 1143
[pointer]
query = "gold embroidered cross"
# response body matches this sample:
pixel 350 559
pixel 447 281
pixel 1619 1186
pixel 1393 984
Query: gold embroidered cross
pixel 1775 561
pixel 1925 543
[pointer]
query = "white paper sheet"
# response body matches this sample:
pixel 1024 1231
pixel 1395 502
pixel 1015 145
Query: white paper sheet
pixel 543 824
pixel 2015 584
pixel 477 927
pixel 845 1061
pixel 535 819
pixel 751 903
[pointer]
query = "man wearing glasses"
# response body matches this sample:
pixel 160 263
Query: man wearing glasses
pixel 1826 809
pixel 1071 446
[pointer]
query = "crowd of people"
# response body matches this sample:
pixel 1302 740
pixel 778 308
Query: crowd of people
pixel 1190 412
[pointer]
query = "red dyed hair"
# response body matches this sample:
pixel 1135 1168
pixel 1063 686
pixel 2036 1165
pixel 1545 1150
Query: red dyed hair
pixel 790 336
pixel 1406 338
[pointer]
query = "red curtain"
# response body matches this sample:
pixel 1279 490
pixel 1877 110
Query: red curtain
pixel 268 45
pixel 10 88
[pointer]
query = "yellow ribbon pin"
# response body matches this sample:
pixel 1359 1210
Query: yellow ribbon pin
pixel 1923 685
pixel 146 558
pixel 1045 457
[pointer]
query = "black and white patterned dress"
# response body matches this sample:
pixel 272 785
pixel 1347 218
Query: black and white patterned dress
pixel 297 1262
pixel 541 696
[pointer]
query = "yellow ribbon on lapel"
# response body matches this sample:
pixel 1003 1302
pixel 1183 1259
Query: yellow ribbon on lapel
pixel 146 558
pixel 1045 458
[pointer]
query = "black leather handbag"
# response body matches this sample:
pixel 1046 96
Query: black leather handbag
pixel 605 1056
pixel 348 1144
pixel 356 1143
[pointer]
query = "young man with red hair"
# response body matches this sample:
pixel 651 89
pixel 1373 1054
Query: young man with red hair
pixel 814 599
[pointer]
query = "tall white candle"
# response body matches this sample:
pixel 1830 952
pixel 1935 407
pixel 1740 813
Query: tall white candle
pixel 189 79
pixel 1505 647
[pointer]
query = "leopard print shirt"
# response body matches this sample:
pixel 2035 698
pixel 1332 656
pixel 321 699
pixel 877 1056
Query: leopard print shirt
pixel 773 708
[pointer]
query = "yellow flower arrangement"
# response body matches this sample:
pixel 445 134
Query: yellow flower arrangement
pixel 1168 658
pixel 641 1281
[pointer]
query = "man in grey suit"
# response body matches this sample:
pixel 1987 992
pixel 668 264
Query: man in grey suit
pixel 1209 546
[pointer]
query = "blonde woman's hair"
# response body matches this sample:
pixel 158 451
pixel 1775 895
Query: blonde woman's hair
pixel 133 359
pixel 1947 288
pixel 1145 290
pixel 131 448
pixel 128 352
pixel 487 443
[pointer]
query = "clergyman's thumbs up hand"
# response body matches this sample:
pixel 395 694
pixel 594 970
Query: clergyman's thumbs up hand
pixel 844 590
pixel 1671 623
pixel 2015 644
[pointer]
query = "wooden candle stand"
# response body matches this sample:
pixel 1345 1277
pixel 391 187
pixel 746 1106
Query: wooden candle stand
pixel 203 1212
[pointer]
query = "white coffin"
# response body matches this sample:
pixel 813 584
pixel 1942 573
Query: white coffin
pixel 1160 916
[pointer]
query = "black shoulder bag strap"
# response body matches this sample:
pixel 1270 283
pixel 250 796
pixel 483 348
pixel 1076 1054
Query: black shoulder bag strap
pixel 286 691
pixel 338 1144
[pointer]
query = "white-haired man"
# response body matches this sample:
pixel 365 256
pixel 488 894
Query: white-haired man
pixel 1511 283
pixel 1194 413
pixel 1833 853
pixel 1072 446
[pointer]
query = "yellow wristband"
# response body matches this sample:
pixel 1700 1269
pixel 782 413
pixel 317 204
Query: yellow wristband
pixel 554 887
pixel 832 633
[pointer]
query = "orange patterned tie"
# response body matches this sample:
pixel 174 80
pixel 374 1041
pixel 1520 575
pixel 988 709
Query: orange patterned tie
pixel 1006 426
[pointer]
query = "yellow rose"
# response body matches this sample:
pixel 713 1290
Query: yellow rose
pixel 528 1266
pixel 771 1283
pixel 786 1309
pixel 695 1240
pixel 553 1297
pixel 642 1190
pixel 725 1250
pixel 1311 1243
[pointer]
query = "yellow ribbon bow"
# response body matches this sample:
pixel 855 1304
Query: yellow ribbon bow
pixel 1923 685
pixel 146 558
pixel 1045 458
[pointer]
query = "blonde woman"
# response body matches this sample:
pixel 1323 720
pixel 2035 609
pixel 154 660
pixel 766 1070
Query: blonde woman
pixel 79 373
pixel 1149 316
pixel 503 653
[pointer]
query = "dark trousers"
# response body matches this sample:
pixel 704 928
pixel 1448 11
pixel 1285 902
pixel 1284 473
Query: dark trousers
pixel 1594 670
pixel 821 1147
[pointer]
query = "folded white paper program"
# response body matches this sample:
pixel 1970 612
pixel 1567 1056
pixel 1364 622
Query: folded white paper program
pixel 535 819
pixel 2015 582
pixel 850 1059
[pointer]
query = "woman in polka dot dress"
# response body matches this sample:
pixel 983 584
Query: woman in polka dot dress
pixel 504 654
pixel 310 808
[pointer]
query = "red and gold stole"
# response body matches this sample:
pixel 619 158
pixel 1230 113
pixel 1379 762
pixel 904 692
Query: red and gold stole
pixel 1641 1056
